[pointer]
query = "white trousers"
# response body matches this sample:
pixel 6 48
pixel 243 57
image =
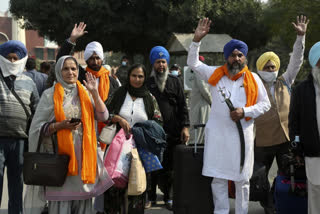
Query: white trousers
pixel 219 189
pixel 313 198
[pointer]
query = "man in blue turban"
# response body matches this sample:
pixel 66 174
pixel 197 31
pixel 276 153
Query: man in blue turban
pixel 304 120
pixel 229 134
pixel 14 117
pixel 169 94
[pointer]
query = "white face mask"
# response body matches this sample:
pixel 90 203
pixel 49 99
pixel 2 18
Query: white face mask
pixel 175 73
pixel 268 76
pixel 12 68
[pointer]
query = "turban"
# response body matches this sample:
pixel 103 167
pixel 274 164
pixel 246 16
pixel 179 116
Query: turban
pixel 13 46
pixel 93 47
pixel 264 58
pixel 201 58
pixel 314 54
pixel 235 44
pixel 159 52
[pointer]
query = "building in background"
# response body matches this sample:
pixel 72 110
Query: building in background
pixel 37 46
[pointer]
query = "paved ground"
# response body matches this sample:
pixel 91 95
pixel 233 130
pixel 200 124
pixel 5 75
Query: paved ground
pixel 254 207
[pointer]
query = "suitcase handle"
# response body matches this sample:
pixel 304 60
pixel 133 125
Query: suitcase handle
pixel 195 133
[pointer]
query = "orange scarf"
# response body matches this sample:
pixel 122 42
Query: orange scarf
pixel 249 83
pixel 104 86
pixel 89 141
pixel 104 82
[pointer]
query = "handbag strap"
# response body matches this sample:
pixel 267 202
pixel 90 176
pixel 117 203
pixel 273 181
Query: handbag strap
pixel 22 104
pixel 54 144
pixel 17 97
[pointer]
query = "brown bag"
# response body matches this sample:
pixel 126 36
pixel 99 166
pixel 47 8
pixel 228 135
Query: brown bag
pixel 45 169
pixel 137 177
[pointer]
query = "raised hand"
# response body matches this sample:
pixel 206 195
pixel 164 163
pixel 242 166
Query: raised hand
pixel 78 31
pixel 91 83
pixel 202 29
pixel 301 25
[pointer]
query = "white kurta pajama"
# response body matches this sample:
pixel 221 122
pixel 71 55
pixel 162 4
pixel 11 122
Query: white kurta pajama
pixel 222 141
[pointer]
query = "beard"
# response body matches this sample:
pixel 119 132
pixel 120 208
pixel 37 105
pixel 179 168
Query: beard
pixel 234 68
pixel 316 75
pixel 95 67
pixel 160 78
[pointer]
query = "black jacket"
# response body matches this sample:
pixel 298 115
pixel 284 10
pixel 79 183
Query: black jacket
pixel 303 117
pixel 67 49
pixel 172 105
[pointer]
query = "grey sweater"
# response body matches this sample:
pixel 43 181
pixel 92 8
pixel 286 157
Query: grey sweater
pixel 13 119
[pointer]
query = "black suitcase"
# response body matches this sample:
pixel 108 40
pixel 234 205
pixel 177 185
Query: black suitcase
pixel 191 190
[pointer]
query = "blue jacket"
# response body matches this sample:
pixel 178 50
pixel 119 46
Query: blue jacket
pixel 150 136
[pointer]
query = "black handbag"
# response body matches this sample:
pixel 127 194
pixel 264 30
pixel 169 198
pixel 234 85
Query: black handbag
pixel 45 169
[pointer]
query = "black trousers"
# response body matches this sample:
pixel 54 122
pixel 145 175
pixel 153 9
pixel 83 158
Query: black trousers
pixel 266 156
pixel 165 177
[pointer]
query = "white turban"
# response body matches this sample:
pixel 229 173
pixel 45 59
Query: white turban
pixel 93 47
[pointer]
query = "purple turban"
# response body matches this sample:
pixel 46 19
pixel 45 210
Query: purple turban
pixel 13 46
pixel 159 52
pixel 235 44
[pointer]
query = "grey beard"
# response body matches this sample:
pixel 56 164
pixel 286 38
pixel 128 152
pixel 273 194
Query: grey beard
pixel 234 68
pixel 316 75
pixel 160 79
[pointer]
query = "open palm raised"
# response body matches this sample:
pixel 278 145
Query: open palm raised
pixel 202 29
pixel 301 25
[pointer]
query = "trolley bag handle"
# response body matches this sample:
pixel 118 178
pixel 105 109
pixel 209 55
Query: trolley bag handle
pixel 195 139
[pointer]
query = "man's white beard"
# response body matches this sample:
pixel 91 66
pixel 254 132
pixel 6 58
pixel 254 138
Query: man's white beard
pixel 160 78
pixel 316 75
pixel 234 68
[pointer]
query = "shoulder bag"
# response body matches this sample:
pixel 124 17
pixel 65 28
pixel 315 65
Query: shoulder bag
pixel 45 169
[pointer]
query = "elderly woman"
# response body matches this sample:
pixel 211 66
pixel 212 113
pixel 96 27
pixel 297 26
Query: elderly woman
pixel 130 104
pixel 68 99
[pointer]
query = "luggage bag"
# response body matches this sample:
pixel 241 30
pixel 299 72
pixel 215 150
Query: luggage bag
pixel 286 202
pixel 191 190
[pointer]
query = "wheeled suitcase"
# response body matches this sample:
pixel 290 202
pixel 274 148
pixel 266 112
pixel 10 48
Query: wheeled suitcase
pixel 287 202
pixel 191 190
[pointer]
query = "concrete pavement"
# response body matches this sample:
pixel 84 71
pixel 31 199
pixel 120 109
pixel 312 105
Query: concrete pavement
pixel 254 207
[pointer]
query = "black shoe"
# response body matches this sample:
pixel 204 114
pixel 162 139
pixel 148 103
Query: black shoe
pixel 169 205
pixel 268 210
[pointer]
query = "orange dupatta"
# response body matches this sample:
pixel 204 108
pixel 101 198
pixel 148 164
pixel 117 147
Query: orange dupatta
pixel 89 141
pixel 104 82
pixel 249 83
pixel 104 86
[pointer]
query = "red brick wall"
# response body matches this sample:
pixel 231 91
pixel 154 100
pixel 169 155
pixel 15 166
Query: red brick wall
pixel 32 40
pixel 6 26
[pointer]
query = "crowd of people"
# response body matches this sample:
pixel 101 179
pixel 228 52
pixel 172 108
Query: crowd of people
pixel 249 117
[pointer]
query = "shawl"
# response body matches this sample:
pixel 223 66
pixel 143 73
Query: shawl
pixel 249 83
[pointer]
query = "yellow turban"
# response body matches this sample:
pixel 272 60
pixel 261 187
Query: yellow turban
pixel 264 58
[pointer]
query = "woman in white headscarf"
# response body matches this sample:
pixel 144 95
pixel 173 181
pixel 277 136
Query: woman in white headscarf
pixel 68 99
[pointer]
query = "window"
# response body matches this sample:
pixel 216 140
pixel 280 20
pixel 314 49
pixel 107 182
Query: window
pixel 51 53
pixel 39 53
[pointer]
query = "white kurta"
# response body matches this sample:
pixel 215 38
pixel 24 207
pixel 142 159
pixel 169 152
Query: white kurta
pixel 222 141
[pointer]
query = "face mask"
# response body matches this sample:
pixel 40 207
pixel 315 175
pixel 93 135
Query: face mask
pixel 12 68
pixel 124 63
pixel 174 73
pixel 268 76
